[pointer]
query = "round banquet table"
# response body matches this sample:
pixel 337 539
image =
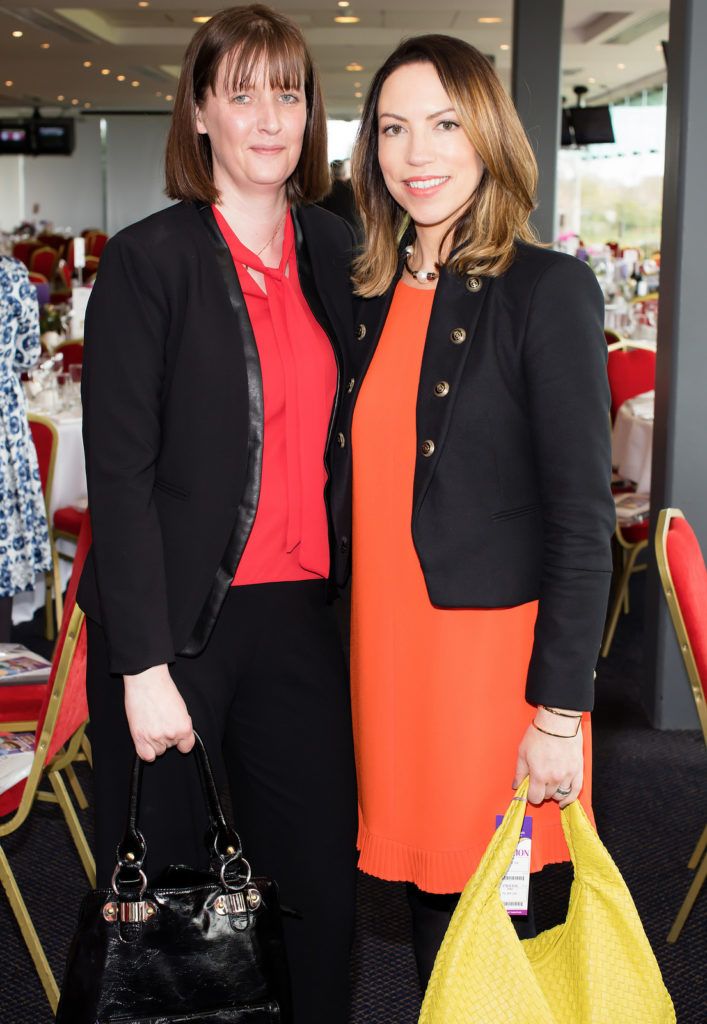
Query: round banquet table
pixel 632 440
pixel 68 488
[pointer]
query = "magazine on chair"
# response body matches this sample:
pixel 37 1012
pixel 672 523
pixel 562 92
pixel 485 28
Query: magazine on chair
pixel 19 665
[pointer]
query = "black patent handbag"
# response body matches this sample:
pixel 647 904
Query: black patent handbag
pixel 196 946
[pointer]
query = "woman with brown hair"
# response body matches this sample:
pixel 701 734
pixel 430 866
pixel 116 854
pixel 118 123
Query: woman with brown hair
pixel 216 339
pixel 480 457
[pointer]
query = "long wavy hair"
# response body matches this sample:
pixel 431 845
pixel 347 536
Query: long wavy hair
pixel 497 215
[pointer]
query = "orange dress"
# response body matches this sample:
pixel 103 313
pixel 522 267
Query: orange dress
pixel 438 694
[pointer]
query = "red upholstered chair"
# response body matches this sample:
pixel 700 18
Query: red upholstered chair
pixel 57 741
pixel 36 278
pixel 23 251
pixel 96 243
pixel 631 370
pixel 72 351
pixel 44 260
pixel 684 577
pixel 46 443
pixel 612 337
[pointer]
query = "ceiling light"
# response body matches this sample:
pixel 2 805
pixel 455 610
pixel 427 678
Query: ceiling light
pixel 505 46
pixel 358 95
pixel 354 66
pixel 105 71
pixel 490 21
pixel 61 97
pixel 88 63
pixel 74 103
pixel 17 34
pixel 201 19
pixel 346 19
pixel 135 84
pixel 591 81
pixel 120 78
pixel 621 67
pixel 143 3
pixel 357 85
pixel 44 46
pixel 158 94
pixel 169 97
pixel 87 105
pixel 9 83
pixel 344 3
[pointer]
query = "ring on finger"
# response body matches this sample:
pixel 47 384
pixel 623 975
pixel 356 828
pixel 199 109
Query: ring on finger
pixel 563 792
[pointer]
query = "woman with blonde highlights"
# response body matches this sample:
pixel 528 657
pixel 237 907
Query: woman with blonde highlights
pixel 482 511
pixel 217 340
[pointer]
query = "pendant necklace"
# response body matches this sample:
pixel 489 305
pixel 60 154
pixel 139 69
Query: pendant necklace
pixel 272 236
pixel 423 276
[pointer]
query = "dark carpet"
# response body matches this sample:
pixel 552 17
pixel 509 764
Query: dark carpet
pixel 650 803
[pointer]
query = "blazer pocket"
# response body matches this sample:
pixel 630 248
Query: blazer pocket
pixel 171 489
pixel 514 513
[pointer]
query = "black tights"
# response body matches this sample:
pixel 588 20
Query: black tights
pixel 431 914
pixel 5 619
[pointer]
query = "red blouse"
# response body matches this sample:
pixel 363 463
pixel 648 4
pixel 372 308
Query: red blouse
pixel 290 535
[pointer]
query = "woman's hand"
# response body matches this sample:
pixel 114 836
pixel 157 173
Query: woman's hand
pixel 553 763
pixel 157 715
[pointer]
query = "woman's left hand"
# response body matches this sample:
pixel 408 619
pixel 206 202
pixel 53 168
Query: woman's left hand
pixel 555 764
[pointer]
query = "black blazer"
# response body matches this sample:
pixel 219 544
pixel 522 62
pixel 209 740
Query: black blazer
pixel 173 422
pixel 512 498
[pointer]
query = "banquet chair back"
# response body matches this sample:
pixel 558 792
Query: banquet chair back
pixel 46 443
pixel 96 243
pixel 23 251
pixel 35 278
pixel 631 370
pixel 44 260
pixel 72 351
pixel 683 574
pixel 57 740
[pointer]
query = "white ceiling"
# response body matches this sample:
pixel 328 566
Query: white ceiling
pixel 609 46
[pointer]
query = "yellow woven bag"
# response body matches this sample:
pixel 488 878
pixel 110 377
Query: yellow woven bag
pixel 596 968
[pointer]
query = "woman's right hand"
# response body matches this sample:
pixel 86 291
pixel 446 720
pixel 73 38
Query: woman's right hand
pixel 156 712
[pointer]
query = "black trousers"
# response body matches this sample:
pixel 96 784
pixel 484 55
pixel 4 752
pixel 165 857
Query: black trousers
pixel 270 698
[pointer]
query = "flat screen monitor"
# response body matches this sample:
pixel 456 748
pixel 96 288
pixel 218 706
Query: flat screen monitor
pixel 53 137
pixel 591 125
pixel 14 138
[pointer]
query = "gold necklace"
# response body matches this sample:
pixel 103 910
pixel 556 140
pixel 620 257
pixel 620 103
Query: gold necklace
pixel 272 236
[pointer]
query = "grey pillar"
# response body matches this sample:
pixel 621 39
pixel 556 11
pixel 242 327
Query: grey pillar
pixel 679 476
pixel 535 84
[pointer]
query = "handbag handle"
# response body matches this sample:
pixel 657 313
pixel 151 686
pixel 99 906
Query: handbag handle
pixel 222 841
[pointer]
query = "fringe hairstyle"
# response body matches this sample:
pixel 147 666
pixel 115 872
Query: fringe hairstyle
pixel 498 212
pixel 244 40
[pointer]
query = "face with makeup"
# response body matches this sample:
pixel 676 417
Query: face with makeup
pixel 428 162
pixel 256 132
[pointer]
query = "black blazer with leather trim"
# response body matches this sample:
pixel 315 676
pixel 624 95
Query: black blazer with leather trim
pixel 512 499
pixel 173 422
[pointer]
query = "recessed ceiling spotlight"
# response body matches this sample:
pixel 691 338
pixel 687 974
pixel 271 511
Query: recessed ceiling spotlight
pixel 9 83
pixel 87 105
pixel 61 97
pixel 120 78
pixel 88 63
pixel 346 19
pixel 74 103
pixel 201 19
pixel 621 67
pixel 358 95
pixel 354 66
pixel 17 34
pixel 169 97
pixel 357 85
pixel 344 3
pixel 490 21
pixel 105 71
pixel 591 81
pixel 505 46
pixel 44 46
pixel 158 94
pixel 135 84
pixel 143 3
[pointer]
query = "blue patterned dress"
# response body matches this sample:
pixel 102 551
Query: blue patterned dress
pixel 24 539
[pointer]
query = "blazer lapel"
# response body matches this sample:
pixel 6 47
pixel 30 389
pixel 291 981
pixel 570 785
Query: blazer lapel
pixel 450 338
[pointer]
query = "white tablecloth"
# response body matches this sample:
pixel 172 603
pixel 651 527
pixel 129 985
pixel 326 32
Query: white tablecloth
pixel 69 487
pixel 632 440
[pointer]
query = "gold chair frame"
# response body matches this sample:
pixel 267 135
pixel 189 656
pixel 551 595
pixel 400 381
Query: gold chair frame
pixel 698 860
pixel 629 556
pixel 57 795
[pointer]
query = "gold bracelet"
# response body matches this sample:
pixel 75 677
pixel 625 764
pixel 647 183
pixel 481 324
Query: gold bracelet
pixel 562 714
pixel 559 735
